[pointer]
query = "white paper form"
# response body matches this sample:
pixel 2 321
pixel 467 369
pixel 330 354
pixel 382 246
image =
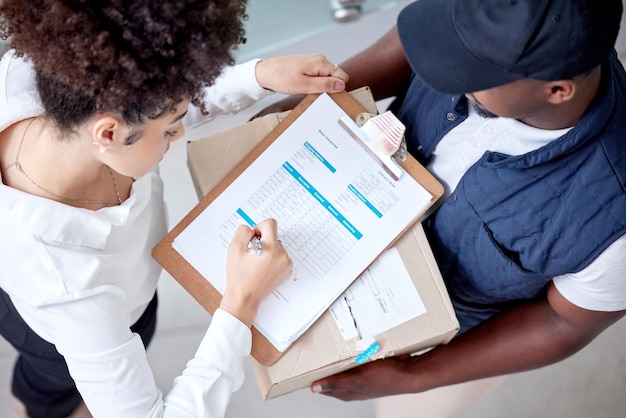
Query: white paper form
pixel 336 209
pixel 383 297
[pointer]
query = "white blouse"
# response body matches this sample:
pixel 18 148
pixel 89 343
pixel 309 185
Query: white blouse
pixel 80 278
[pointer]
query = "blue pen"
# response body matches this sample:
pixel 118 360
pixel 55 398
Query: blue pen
pixel 256 244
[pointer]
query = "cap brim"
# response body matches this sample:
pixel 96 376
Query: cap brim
pixel 437 54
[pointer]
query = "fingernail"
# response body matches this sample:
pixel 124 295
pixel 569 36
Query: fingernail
pixel 316 389
pixel 339 86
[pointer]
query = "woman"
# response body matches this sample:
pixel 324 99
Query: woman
pixel 90 99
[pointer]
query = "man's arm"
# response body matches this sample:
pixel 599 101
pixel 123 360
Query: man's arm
pixel 522 338
pixel 382 66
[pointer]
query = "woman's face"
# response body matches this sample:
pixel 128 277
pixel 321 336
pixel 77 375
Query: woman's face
pixel 136 159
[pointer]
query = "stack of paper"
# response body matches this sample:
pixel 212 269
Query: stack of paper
pixel 337 210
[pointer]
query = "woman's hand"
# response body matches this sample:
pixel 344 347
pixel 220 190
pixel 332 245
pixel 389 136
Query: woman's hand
pixel 252 277
pixel 300 74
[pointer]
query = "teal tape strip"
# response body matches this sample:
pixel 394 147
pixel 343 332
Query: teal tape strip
pixel 367 354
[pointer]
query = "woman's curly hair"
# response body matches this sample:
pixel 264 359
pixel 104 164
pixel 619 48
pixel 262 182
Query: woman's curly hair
pixel 135 58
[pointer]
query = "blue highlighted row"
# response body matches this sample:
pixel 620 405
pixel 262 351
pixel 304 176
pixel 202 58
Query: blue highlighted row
pixel 364 200
pixel 325 203
pixel 320 157
pixel 246 218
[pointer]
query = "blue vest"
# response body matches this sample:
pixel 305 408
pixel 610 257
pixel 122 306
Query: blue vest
pixel 515 222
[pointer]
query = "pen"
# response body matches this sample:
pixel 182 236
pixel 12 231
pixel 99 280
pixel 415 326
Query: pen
pixel 256 244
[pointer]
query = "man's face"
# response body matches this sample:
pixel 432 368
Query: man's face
pixel 520 99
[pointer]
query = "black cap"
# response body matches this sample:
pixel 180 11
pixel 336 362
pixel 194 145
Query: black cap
pixel 462 46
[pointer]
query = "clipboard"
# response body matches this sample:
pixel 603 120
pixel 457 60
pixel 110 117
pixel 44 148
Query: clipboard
pixel 200 288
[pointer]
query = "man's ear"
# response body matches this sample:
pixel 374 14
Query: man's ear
pixel 561 91
pixel 108 130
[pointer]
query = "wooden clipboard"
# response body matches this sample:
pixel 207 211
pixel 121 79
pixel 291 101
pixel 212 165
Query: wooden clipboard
pixel 199 287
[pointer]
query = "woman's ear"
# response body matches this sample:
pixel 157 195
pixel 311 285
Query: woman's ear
pixel 108 130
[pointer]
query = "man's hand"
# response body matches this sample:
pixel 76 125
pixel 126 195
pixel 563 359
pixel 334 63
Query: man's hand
pixel 371 380
pixel 524 337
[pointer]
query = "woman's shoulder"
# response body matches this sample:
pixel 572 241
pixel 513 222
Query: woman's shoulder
pixel 19 98
pixel 17 74
pixel 9 145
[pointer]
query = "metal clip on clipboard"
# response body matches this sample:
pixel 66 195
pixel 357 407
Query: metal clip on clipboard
pixel 382 136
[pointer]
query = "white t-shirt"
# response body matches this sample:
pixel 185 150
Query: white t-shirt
pixel 80 278
pixel 602 285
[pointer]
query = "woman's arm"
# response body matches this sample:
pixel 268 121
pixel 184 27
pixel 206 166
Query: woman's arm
pixel 252 277
pixel 382 66
pixel 217 368
pixel 109 363
pixel 242 85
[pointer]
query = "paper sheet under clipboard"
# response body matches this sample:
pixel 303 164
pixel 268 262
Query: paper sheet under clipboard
pixel 336 208
pixel 382 298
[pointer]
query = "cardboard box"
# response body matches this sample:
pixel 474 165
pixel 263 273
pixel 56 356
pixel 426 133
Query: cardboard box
pixel 322 351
